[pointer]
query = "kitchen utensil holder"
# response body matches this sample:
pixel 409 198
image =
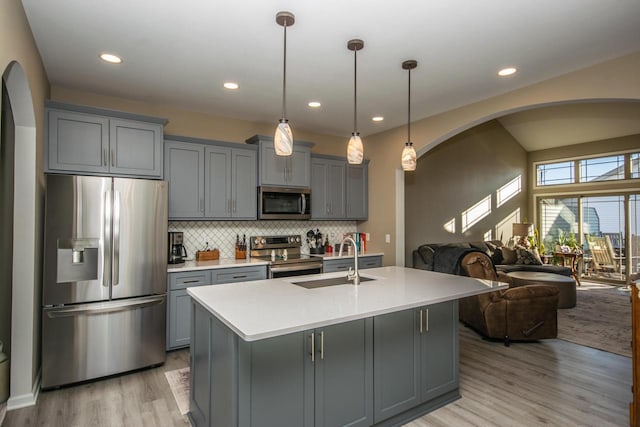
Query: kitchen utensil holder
pixel 316 251
pixel 240 254
pixel 208 255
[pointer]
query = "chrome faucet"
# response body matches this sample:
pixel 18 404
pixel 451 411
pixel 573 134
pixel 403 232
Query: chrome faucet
pixel 352 275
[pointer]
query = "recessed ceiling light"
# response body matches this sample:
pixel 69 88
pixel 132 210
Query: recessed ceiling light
pixel 111 58
pixel 377 118
pixel 314 104
pixel 231 85
pixel 507 72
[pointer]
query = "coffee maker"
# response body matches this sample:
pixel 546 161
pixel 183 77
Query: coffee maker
pixel 177 251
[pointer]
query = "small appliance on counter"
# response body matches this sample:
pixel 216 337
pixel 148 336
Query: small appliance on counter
pixel 177 251
pixel 315 242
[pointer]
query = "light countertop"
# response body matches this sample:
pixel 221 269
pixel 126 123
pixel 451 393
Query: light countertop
pixel 209 265
pixel 334 255
pixel 268 308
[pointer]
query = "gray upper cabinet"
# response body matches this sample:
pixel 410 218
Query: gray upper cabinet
pixel 358 191
pixel 338 190
pixel 90 140
pixel 210 179
pixel 328 188
pixel 283 171
pixel 231 183
pixel 184 169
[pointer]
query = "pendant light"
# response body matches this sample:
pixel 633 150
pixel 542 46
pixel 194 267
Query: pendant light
pixel 409 153
pixel 355 151
pixel 283 139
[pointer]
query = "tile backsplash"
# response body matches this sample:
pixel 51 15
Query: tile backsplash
pixel 222 234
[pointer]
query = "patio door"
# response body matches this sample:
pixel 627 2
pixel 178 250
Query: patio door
pixel 603 230
pixel 634 232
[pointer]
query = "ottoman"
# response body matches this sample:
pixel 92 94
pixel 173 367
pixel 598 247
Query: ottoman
pixel 566 285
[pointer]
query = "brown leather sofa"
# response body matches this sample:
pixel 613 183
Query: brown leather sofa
pixel 525 313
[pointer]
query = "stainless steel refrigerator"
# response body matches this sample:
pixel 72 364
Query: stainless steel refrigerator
pixel 105 269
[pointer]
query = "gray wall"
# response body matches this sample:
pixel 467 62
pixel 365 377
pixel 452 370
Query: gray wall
pixel 456 175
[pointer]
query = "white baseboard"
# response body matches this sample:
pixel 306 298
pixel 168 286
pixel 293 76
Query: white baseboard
pixel 3 412
pixel 24 400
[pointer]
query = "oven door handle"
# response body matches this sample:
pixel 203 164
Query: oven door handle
pixel 296 267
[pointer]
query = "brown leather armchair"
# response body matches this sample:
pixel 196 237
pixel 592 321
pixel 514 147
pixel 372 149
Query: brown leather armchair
pixel 524 313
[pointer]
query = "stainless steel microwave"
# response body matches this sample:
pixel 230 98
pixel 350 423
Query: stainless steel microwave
pixel 284 203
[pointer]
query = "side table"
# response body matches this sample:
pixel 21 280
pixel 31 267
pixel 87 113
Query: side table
pixel 572 259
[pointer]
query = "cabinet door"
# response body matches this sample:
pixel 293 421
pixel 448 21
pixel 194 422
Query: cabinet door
pixel 319 201
pixel 344 374
pixel 179 319
pixel 272 166
pixel 244 184
pixel 396 368
pixel 357 191
pixel 135 148
pixel 336 189
pixel 275 382
pixel 298 173
pixel 184 169
pixel 78 142
pixel 218 182
pixel 439 350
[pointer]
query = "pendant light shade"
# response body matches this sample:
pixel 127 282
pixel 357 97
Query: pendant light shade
pixel 283 138
pixel 408 152
pixel 355 149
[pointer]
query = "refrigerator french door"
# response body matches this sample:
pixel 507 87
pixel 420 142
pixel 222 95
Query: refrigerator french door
pixel 104 289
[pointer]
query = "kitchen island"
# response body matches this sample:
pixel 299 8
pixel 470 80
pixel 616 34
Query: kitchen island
pixel 272 353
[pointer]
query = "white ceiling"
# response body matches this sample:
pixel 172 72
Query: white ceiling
pixel 180 53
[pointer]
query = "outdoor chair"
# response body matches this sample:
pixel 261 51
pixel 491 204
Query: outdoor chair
pixel 602 254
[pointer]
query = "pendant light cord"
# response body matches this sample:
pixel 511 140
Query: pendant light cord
pixel 355 92
pixel 284 75
pixel 409 111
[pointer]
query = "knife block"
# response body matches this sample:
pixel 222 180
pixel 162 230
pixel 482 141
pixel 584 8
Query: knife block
pixel 241 254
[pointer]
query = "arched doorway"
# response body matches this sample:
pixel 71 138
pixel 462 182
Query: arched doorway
pixel 24 321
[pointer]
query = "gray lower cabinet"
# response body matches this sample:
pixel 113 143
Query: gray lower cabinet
pixel 283 171
pixel 179 306
pixel 281 381
pixel 415 360
pixel 343 264
pixel 210 180
pixel 83 142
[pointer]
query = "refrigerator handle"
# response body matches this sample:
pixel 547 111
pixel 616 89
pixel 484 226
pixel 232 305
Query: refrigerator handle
pixel 106 239
pixel 111 307
pixel 116 239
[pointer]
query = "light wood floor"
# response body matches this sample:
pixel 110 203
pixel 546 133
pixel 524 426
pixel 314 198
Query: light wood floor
pixel 552 382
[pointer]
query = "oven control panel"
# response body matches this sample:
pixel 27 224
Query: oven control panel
pixel 275 242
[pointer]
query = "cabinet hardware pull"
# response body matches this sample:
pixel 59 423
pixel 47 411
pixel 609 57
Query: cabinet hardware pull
pixel 234 205
pixel 313 347
pixel 240 277
pixel 104 156
pixel 191 281
pixel 322 345
pixel 420 321
pixel 201 205
pixel 426 320
pixel 113 158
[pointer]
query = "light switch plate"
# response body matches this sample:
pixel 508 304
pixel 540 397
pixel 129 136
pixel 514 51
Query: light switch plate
pixel 387 238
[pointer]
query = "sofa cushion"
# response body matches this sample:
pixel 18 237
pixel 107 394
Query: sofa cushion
pixel 509 256
pixel 426 253
pixel 545 268
pixel 527 256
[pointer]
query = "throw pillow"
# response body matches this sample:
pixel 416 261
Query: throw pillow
pixel 509 256
pixel 528 256
pixel 496 253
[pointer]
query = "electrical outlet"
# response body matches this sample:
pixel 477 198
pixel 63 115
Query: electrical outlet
pixel 387 238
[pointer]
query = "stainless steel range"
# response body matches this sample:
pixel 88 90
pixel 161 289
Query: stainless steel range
pixel 284 255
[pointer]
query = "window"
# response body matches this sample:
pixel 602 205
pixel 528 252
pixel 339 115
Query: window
pixel 602 169
pixel 635 169
pixel 555 173
pixel 559 218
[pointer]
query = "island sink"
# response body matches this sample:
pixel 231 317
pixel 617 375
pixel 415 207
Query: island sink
pixel 332 281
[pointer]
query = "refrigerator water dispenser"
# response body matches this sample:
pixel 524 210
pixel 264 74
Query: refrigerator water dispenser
pixel 77 260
